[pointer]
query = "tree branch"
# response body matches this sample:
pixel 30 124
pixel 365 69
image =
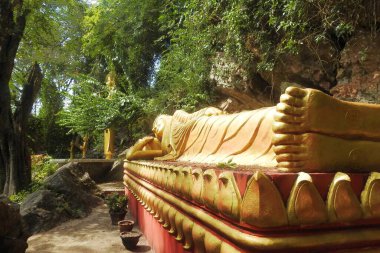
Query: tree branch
pixel 29 94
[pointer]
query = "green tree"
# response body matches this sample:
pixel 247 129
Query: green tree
pixel 53 38
pixel 18 17
pixel 121 36
pixel 14 159
pixel 94 108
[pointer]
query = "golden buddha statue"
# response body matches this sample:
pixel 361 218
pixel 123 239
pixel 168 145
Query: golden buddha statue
pixel 307 131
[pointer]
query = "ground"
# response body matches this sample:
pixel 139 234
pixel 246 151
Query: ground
pixel 89 235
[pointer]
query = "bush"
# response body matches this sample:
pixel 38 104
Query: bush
pixel 116 203
pixel 41 169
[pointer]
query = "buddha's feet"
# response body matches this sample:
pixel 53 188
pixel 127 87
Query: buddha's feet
pixel 315 152
pixel 311 111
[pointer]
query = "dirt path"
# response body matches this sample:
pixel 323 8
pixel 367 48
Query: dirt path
pixel 91 234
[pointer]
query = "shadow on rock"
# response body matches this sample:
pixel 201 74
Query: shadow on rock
pixel 68 193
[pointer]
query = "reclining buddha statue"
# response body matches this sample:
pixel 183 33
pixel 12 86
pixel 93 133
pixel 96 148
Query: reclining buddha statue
pixel 307 131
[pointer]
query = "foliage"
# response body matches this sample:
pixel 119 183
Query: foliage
pixel 121 35
pixel 52 38
pixel 253 32
pixel 116 203
pixel 94 107
pixel 42 168
pixel 229 165
pixel 182 79
pixel 279 27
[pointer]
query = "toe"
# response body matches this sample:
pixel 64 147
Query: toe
pixel 286 149
pixel 290 100
pixel 281 127
pixel 291 110
pixel 286 118
pixel 291 157
pixel 287 139
pixel 296 92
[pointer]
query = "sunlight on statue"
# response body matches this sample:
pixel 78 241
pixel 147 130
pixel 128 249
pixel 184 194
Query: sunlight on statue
pixel 307 131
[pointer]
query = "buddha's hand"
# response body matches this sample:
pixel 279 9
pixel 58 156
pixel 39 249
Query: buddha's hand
pixel 139 145
pixel 145 148
pixel 144 141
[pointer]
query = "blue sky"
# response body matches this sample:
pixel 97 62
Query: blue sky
pixel 92 1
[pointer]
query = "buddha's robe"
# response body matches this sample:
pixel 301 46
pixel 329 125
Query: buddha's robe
pixel 243 138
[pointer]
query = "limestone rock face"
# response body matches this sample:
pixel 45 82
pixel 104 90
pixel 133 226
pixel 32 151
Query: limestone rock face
pixel 242 88
pixel 12 235
pixel 359 69
pixel 314 67
pixel 68 193
pixel 350 71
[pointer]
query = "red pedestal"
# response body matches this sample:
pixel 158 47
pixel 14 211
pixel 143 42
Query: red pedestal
pixel 159 239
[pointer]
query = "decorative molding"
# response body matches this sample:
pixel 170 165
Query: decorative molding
pixel 187 226
pixel 305 204
pixel 262 203
pixel 342 203
pixel 204 227
pixel 197 191
pixel 229 201
pixel 212 243
pixel 210 189
pixel 370 196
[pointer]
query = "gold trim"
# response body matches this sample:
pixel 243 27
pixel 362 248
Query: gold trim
pixel 305 204
pixel 187 183
pixel 370 196
pixel 227 248
pixel 187 226
pixel 171 216
pixel 320 239
pixel 179 217
pixel 198 235
pixel 342 203
pixel 197 191
pixel 178 181
pixel 171 178
pixel 229 200
pixel 212 243
pixel 165 216
pixel 210 189
pixel 262 204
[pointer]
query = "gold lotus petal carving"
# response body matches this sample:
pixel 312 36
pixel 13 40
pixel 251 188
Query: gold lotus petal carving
pixel 370 196
pixel 229 200
pixel 262 203
pixel 305 204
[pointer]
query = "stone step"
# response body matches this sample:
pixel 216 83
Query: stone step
pixel 112 187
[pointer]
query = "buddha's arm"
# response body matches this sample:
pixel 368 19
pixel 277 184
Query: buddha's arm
pixel 145 148
pixel 145 155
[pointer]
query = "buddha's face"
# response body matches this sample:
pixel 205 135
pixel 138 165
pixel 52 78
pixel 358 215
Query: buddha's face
pixel 158 127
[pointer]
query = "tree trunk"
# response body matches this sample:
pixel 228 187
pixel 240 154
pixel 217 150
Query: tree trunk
pixel 14 153
pixel 14 161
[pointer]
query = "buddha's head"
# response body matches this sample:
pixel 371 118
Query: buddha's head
pixel 159 125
